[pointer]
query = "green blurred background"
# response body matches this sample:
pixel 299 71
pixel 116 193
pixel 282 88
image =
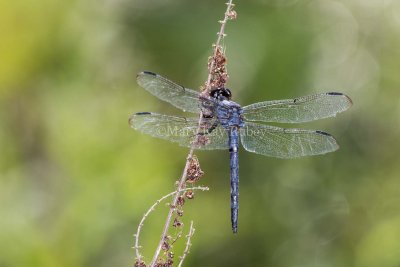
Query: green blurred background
pixel 75 180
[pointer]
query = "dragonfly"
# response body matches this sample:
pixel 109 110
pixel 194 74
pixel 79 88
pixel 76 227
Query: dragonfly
pixel 223 124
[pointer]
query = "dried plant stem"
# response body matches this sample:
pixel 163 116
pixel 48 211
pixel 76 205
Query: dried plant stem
pixel 152 208
pixel 171 210
pixel 182 180
pixel 221 35
pixel 188 244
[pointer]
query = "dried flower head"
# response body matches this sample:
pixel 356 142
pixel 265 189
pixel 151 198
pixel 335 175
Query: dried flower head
pixel 189 194
pixel 232 14
pixel 177 223
pixel 140 263
pixel 180 201
pixel 166 246
pixel 217 69
pixel 160 263
pixel 194 172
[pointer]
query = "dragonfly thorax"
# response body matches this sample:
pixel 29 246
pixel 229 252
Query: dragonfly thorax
pixel 229 114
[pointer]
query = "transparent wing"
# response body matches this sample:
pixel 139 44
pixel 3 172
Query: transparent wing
pixel 181 130
pixel 164 89
pixel 302 109
pixel 285 143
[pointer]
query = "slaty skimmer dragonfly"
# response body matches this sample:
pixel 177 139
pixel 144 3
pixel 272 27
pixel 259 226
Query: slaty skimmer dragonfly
pixel 224 122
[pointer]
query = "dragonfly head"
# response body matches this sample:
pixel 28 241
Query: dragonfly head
pixel 221 94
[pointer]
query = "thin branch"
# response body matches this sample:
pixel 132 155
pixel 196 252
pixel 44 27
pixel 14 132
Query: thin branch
pixel 152 208
pixel 228 15
pixel 188 244
pixel 171 210
pixel 221 35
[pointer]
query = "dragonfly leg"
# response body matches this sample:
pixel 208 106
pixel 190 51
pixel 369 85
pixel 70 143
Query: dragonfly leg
pixel 209 130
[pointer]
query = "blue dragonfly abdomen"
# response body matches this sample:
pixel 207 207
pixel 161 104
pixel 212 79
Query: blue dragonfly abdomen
pixel 229 115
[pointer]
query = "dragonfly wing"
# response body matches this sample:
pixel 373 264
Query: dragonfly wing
pixel 302 109
pixel 181 130
pixel 166 90
pixel 285 143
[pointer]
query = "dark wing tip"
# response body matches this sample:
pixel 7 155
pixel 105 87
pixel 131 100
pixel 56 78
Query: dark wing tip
pixel 323 133
pixel 334 93
pixel 341 94
pixel 131 119
pixel 349 99
pixel 149 73
pixel 335 145
pixel 332 141
pixel 145 73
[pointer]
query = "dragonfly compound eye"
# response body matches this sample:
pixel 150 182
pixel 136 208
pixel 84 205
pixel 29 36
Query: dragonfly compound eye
pixel 227 93
pixel 221 94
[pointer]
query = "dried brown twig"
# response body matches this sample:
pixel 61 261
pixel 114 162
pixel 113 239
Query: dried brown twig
pixel 188 244
pixel 139 257
pixel 217 78
pixel 217 75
